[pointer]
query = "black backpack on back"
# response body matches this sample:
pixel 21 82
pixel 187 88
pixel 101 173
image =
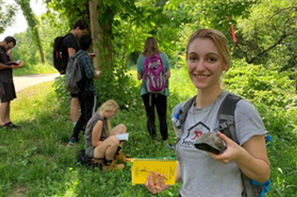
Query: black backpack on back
pixel 227 126
pixel 60 55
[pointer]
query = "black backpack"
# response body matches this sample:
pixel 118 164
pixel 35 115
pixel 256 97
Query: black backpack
pixel 87 161
pixel 60 54
pixel 227 126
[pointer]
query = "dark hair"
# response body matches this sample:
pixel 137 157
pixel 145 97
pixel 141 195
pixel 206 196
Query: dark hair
pixel 81 24
pixel 9 39
pixel 85 41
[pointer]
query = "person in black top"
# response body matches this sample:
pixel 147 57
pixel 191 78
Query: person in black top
pixel 7 90
pixel 70 42
pixel 87 96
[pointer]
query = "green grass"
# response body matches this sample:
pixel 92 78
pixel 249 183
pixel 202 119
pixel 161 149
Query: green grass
pixel 36 162
pixel 36 69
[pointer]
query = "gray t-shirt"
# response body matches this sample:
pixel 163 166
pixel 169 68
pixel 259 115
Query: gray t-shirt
pixel 200 173
pixel 88 133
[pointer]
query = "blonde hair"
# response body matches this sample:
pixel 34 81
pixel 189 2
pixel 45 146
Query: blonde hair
pixel 218 39
pixel 110 106
pixel 150 47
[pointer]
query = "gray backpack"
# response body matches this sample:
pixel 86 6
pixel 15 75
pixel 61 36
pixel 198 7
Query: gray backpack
pixel 227 126
pixel 73 75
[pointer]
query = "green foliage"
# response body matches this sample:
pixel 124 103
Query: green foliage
pixel 7 13
pixel 69 9
pixel 31 70
pixel 281 125
pixel 27 51
pixel 116 84
pixel 268 33
pixel 30 17
pixel 261 85
pixel 35 161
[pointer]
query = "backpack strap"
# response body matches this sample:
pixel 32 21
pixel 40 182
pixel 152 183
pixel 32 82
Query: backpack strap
pixel 226 116
pixel 227 126
pixel 180 117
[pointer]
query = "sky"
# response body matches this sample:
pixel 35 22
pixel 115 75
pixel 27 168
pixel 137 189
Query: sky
pixel 20 24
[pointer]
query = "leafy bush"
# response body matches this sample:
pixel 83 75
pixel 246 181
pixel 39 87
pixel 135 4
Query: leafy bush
pixel 259 84
pixel 117 84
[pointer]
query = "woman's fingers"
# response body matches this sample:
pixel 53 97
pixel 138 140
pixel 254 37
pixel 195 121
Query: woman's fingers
pixel 155 183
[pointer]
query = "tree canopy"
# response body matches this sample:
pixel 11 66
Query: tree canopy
pixel 7 13
pixel 265 31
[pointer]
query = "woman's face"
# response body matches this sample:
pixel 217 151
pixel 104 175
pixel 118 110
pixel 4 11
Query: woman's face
pixel 205 64
pixel 110 114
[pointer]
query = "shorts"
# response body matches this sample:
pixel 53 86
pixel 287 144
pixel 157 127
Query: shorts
pixel 7 92
pixel 90 151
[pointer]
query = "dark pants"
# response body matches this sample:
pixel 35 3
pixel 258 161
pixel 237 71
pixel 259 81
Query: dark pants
pixel 160 102
pixel 87 101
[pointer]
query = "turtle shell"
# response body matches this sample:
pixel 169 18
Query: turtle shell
pixel 210 142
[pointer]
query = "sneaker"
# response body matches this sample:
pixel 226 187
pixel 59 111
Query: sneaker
pixel 72 141
pixel 169 146
pixel 11 126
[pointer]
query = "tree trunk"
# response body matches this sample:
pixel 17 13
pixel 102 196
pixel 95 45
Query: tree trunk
pixel 39 45
pixel 32 23
pixel 95 29
pixel 101 34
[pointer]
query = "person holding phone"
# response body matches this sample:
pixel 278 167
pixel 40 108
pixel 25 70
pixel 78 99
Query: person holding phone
pixel 7 90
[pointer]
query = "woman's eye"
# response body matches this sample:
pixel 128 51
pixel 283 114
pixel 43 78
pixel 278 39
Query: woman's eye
pixel 193 58
pixel 212 59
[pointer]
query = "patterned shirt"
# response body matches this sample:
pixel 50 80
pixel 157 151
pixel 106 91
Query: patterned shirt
pixel 87 71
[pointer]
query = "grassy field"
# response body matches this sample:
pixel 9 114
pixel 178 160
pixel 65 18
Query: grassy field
pixel 30 70
pixel 35 161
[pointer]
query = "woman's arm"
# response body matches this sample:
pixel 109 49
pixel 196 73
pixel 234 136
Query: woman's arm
pixel 139 77
pixel 96 133
pixel 251 158
pixel 168 73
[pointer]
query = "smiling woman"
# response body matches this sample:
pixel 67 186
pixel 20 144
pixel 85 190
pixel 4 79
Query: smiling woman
pixel 207 57
pixel 20 23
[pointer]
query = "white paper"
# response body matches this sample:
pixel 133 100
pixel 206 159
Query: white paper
pixel 123 136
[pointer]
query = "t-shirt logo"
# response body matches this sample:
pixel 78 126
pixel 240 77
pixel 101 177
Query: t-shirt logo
pixel 193 133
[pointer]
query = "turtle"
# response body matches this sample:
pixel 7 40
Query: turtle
pixel 210 142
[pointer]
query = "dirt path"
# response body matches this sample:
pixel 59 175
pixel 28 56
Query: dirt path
pixel 24 82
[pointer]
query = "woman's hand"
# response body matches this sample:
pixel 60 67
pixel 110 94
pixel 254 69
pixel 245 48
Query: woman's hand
pixel 232 151
pixel 251 158
pixel 155 183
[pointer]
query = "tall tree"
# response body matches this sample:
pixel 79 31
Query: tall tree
pixel 33 24
pixel 95 28
pixel 271 28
